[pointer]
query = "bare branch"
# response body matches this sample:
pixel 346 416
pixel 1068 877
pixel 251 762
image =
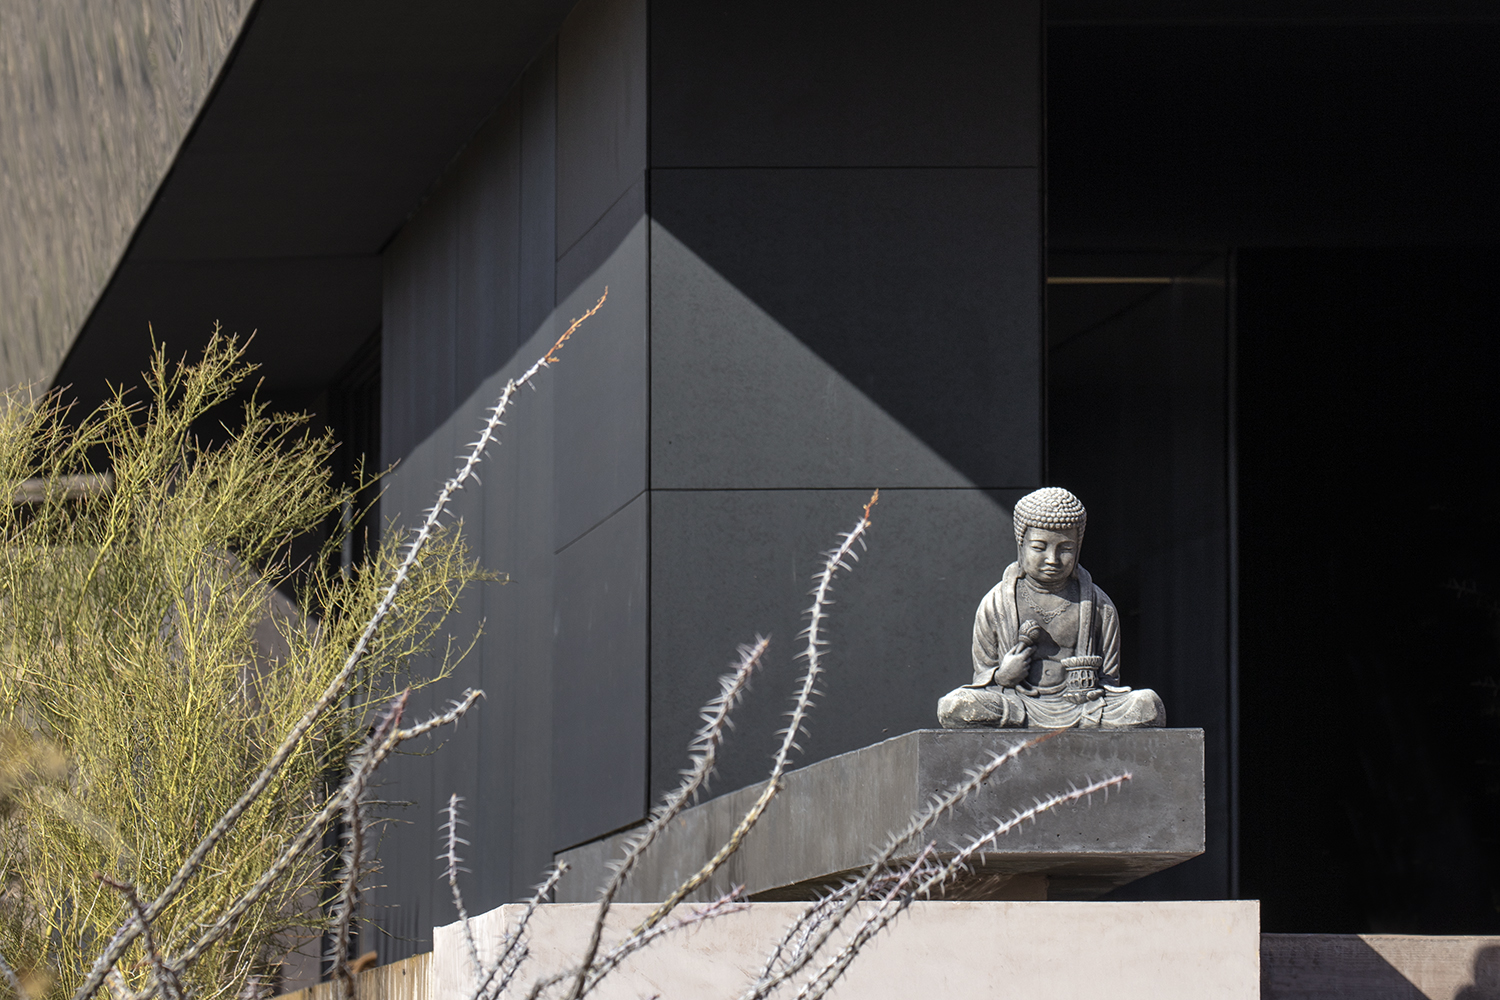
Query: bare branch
pixel 354 856
pixel 119 989
pixel 704 751
pixel 730 902
pixel 378 750
pixel 918 825
pixel 451 857
pixel 799 933
pixel 166 979
pixel 895 904
pixel 834 559
pixel 634 942
pixel 512 952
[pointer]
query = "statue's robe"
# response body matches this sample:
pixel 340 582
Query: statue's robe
pixel 1038 701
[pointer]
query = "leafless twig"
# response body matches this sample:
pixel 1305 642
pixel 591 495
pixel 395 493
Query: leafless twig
pixel 890 908
pixel 375 755
pixel 450 856
pixel 704 752
pixel 730 902
pixel 918 825
pixel 590 969
pixel 512 951
pixel 834 560
pixel 354 856
pixel 166 979
pixel 794 941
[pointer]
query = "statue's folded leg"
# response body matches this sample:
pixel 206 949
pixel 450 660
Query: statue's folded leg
pixel 1128 709
pixel 967 708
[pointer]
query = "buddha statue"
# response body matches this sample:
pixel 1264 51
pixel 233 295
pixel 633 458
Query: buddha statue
pixel 1046 638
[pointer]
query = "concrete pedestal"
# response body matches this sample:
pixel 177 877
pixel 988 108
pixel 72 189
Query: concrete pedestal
pixel 833 814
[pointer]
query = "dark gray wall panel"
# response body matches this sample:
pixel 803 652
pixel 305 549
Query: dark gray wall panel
pixel 602 382
pixel 403 906
pixel 422 267
pixel 538 190
pixel 727 565
pixel 599 700
pixel 787 83
pixel 397 349
pixel 919 288
pixel 459 767
pixel 601 111
pixel 583 259
pixel 456 280
pixel 515 752
pixel 740 401
pixel 486 297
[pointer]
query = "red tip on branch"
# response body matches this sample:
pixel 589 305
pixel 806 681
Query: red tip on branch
pixel 551 355
pixel 874 499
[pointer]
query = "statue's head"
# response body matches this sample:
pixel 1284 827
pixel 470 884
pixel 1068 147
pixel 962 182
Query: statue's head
pixel 1049 532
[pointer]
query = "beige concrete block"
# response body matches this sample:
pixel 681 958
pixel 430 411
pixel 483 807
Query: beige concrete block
pixel 1380 966
pixel 954 950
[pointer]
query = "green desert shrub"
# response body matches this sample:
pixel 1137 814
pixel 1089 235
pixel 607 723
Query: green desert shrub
pixel 150 664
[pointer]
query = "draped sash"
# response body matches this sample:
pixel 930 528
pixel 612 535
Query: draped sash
pixel 997 624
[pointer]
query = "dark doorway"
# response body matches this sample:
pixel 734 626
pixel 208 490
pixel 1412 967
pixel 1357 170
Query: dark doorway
pixel 1138 427
pixel 1369 429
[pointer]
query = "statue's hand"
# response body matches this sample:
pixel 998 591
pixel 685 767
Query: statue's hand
pixel 1013 665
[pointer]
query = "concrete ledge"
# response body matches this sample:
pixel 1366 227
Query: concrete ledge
pixel 1379 967
pixel 832 815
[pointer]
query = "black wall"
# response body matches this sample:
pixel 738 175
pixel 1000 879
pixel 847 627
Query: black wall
pixel 1231 129
pixel 822 231
pixel 1342 163
pixel 1370 597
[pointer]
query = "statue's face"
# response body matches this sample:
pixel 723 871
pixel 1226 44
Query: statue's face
pixel 1048 557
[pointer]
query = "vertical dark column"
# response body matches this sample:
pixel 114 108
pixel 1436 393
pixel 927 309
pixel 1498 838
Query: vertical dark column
pixel 469 292
pixel 845 294
pixel 599 529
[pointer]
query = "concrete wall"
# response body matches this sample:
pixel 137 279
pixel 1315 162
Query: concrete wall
pixel 97 99
pixel 802 306
pixel 1292 966
pixel 959 950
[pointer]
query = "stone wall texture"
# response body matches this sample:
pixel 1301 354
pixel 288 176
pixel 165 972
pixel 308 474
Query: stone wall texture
pixel 96 97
